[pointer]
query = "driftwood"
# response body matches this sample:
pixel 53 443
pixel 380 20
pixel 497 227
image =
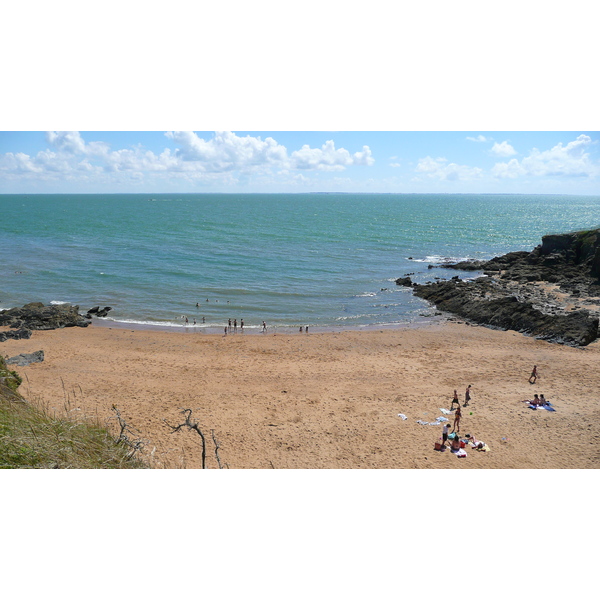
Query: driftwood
pixel 194 426
pixel 125 429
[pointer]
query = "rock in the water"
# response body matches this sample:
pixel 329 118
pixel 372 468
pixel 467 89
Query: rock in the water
pixel 22 360
pixel 406 281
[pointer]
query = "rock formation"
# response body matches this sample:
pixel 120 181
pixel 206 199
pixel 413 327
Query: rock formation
pixel 37 316
pixel 551 292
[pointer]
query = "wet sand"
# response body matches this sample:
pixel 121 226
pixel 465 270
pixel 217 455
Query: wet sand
pixel 326 400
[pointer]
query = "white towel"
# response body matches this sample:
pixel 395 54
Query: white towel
pixel 441 419
pixel 422 422
pixel 403 417
pixel 446 411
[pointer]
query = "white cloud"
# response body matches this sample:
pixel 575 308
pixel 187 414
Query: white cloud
pixel 327 158
pixel 479 138
pixel 440 168
pixel 503 149
pixel 570 160
pixel 193 159
pixel 226 151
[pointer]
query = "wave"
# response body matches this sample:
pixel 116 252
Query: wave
pixel 434 258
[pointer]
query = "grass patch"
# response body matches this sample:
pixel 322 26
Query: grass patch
pixel 32 438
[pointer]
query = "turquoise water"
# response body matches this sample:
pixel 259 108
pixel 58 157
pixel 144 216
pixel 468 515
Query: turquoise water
pixel 324 260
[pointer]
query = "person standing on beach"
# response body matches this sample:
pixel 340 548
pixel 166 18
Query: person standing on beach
pixel 241 325
pixel 457 417
pixel 445 432
pixel 229 325
pixel 467 395
pixel 455 400
pixel 235 326
pixel 534 375
pixel 264 325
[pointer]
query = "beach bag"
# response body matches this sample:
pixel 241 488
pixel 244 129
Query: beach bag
pixel 437 446
pixel 462 444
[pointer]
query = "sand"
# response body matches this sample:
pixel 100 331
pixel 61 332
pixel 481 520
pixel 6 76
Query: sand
pixel 325 400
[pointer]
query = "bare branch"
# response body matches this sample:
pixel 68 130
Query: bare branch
pixel 123 438
pixel 212 431
pixel 190 425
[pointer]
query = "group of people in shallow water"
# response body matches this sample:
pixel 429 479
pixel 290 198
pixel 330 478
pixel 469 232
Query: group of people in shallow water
pixel 232 326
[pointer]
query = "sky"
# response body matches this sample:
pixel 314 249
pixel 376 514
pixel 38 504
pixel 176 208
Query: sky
pixel 565 162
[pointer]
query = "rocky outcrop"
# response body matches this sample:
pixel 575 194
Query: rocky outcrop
pixel 540 293
pixel 37 316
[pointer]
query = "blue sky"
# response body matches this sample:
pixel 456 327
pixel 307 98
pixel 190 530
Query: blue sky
pixel 565 162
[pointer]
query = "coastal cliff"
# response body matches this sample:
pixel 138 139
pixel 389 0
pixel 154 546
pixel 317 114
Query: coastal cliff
pixel 552 292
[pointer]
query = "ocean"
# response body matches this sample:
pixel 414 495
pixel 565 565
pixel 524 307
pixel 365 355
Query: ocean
pixel 328 261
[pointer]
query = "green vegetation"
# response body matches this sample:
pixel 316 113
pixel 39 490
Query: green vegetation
pixel 31 438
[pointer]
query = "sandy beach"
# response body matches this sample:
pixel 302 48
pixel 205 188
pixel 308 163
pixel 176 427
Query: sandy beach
pixel 326 400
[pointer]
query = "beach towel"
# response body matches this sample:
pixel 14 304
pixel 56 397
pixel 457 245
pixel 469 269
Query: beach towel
pixel 446 411
pixel 441 419
pixel 460 453
pixel 403 417
pixel 422 422
pixel 485 447
pixel 435 423
pixel 549 408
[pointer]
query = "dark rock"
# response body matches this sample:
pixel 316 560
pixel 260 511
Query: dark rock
pixel 510 297
pixel 37 316
pixel 22 360
pixel 93 311
pixel 405 281
pixel 103 312
pixel 19 334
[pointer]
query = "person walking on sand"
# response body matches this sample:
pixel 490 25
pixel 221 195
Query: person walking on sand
pixel 455 400
pixel 264 327
pixel 241 325
pixel 534 375
pixel 467 395
pixel 457 417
